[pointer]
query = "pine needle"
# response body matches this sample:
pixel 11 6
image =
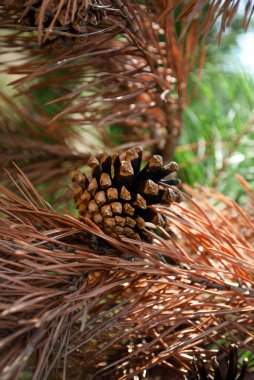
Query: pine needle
pixel 76 304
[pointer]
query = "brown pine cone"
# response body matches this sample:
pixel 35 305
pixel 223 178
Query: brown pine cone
pixel 71 17
pixel 118 195
pixel 225 368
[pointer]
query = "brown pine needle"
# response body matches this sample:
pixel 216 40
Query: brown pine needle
pixel 74 300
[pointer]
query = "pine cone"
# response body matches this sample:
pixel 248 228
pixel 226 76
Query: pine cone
pixel 224 369
pixel 118 196
pixel 70 17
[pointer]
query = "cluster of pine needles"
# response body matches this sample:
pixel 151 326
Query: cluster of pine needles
pixel 77 303
pixel 125 68
pixel 77 298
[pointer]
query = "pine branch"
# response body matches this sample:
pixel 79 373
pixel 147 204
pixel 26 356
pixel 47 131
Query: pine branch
pixel 43 151
pixel 117 63
pixel 122 305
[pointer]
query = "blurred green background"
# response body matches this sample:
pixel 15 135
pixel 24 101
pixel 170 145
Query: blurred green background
pixel 218 123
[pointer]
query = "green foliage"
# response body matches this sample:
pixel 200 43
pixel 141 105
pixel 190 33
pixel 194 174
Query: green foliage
pixel 218 132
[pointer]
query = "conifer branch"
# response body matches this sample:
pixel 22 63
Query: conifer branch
pixel 117 63
pixel 127 307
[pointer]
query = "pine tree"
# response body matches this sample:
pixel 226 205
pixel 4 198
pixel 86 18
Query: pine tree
pixel 139 284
